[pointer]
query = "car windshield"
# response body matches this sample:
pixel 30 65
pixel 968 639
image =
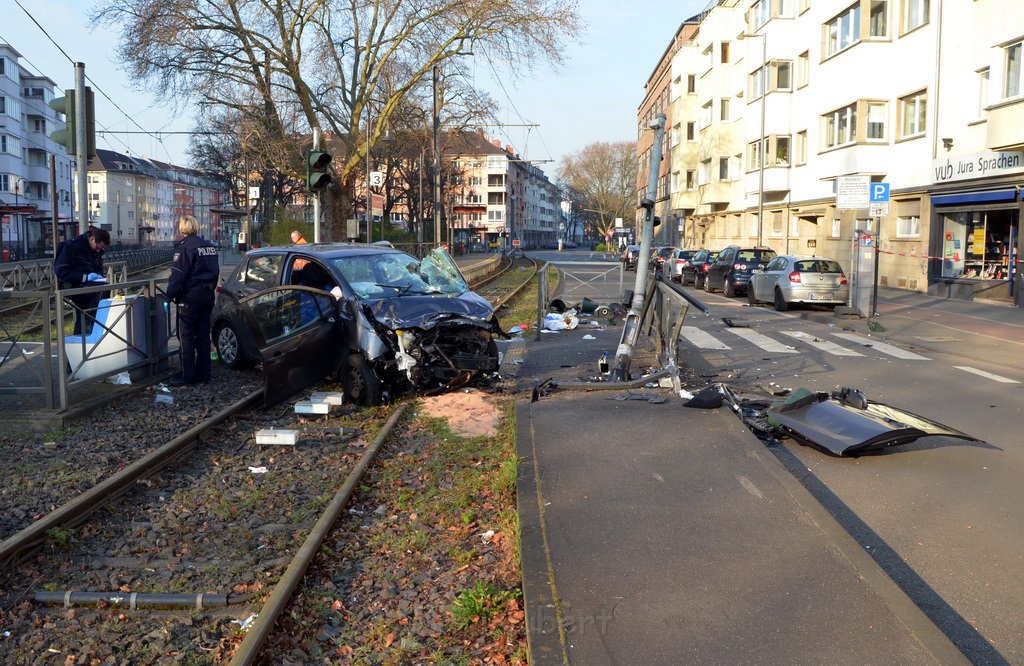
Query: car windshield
pixel 398 274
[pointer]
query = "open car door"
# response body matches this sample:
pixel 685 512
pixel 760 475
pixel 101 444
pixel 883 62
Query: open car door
pixel 300 336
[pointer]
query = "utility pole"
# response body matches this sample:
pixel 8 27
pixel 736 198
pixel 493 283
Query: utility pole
pixel 631 327
pixel 81 148
pixel 437 166
pixel 53 202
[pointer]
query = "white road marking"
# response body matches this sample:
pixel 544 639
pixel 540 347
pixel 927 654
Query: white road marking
pixel 762 341
pixel 987 375
pixel 823 345
pixel 882 347
pixel 702 339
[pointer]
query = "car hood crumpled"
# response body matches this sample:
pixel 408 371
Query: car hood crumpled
pixel 425 312
pixel 846 429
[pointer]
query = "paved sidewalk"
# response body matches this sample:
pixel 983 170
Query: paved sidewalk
pixel 658 534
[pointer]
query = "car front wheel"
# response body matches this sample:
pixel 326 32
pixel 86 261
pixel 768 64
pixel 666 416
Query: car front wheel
pixel 750 295
pixel 229 348
pixel 362 386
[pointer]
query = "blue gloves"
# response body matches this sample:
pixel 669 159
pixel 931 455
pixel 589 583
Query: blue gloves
pixel 95 277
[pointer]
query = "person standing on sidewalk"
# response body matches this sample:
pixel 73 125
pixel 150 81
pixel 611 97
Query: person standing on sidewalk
pixel 194 274
pixel 79 263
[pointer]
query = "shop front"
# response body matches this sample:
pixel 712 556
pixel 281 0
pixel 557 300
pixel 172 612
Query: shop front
pixel 976 234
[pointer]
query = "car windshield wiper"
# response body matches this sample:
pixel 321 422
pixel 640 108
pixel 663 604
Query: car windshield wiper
pixel 400 288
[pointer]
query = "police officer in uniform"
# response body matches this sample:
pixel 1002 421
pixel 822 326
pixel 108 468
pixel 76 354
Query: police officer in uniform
pixel 79 263
pixel 194 275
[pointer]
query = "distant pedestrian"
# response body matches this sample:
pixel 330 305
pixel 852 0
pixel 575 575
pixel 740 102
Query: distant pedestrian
pixel 297 238
pixel 79 263
pixel 194 274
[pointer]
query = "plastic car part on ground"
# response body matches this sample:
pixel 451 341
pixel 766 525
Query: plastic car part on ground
pixel 846 423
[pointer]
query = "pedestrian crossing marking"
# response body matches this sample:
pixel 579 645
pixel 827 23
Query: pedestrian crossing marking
pixel 702 339
pixel 762 341
pixel 882 347
pixel 987 375
pixel 824 345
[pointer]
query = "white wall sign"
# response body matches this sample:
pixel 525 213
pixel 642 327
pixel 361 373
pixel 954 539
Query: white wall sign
pixel 852 192
pixel 977 165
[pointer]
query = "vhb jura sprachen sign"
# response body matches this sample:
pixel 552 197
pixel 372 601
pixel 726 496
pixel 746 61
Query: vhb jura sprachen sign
pixel 977 165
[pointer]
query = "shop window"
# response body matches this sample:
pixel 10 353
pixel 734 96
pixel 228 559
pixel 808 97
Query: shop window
pixel 975 244
pixel 1012 86
pixel 837 228
pixel 777 225
pixel 913 111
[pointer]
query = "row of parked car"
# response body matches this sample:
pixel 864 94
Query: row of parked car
pixel 758 272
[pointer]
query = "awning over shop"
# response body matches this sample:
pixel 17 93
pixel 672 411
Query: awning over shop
pixel 974 197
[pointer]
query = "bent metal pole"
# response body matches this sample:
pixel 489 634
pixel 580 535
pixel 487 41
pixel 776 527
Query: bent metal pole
pixel 631 328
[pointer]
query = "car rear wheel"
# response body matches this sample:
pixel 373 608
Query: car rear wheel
pixel 728 288
pixel 696 281
pixel 362 386
pixel 707 284
pixel 229 348
pixel 780 303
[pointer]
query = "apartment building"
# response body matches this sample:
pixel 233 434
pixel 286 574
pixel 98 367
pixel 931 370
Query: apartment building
pixel 139 200
pixel 26 121
pixel 789 96
pixel 494 196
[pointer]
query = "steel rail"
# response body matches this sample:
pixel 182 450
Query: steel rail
pixel 79 508
pixel 279 598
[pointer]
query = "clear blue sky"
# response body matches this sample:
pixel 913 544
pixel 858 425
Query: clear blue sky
pixel 593 97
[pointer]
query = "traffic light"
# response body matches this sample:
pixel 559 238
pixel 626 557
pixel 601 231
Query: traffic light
pixel 67 136
pixel 317 175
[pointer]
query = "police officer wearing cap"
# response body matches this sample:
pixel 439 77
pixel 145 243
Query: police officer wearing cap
pixel 194 275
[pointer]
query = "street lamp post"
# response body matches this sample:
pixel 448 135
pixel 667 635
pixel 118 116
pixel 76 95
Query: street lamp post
pixel 18 184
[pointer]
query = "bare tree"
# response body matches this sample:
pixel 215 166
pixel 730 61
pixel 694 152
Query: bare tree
pixel 603 176
pixel 293 65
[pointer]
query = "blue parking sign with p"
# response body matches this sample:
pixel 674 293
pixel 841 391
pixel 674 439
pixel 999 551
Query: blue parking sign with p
pixel 879 193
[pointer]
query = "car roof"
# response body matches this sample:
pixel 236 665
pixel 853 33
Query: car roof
pixel 328 250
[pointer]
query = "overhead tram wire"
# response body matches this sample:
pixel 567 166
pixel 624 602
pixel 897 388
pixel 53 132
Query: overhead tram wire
pixel 494 73
pixel 95 85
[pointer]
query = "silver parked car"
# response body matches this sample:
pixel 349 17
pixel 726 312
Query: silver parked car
pixel 799 279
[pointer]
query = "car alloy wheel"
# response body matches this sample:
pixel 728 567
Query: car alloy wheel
pixel 750 294
pixel 362 386
pixel 728 288
pixel 229 351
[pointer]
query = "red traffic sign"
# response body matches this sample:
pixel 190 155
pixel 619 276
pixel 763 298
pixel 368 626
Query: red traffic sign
pixel 515 242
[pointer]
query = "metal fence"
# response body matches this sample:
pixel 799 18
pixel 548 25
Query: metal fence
pixel 128 336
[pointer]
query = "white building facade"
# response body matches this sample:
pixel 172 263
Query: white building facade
pixel 923 95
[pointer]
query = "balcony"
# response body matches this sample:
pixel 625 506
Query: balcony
pixel 1005 131
pixel 776 179
pixel 716 192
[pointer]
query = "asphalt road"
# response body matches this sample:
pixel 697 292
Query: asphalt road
pixel 941 515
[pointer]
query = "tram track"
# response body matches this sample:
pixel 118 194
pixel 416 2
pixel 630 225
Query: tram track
pixel 150 556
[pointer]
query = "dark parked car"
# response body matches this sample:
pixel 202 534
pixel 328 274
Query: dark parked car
pixel 658 257
pixel 383 320
pixel 693 272
pixel 731 271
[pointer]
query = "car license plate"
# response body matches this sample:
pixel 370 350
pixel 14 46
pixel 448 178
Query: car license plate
pixel 820 297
